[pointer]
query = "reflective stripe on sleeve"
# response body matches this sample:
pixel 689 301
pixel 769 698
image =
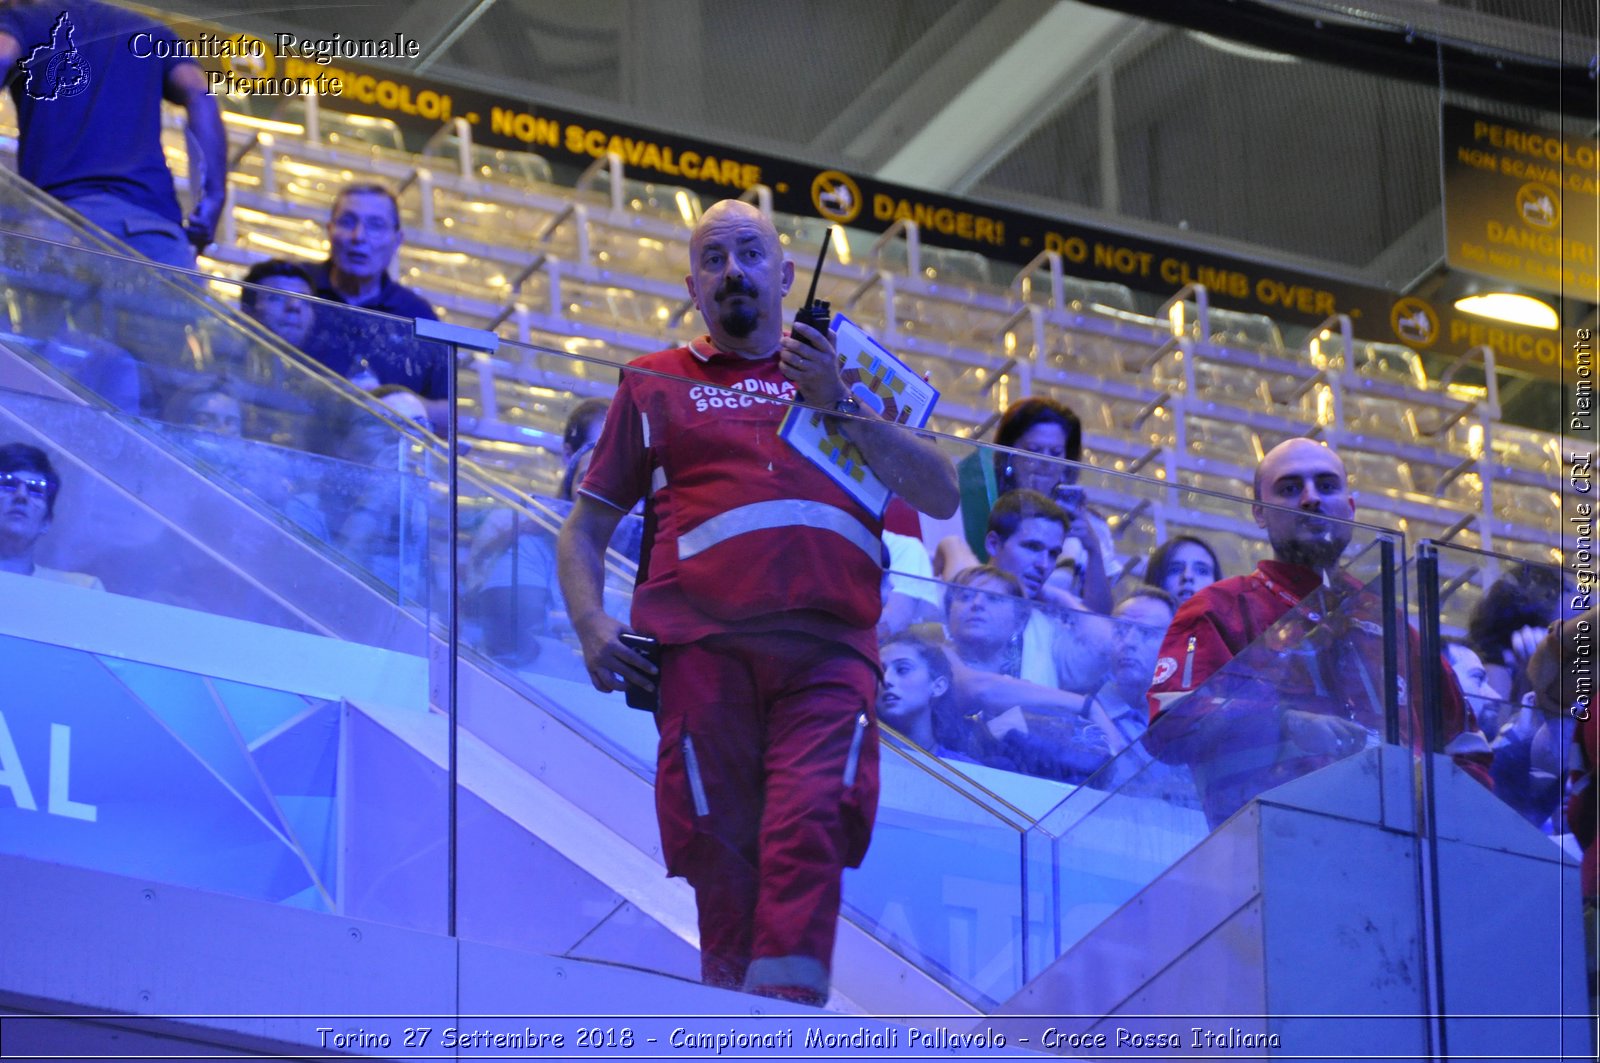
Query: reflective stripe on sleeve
pixel 658 479
pixel 779 513
pixel 602 498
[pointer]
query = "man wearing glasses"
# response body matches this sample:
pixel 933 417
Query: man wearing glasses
pixel 364 234
pixel 28 489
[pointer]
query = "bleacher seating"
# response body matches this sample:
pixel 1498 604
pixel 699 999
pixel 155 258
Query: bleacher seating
pixel 584 278
pixel 1191 394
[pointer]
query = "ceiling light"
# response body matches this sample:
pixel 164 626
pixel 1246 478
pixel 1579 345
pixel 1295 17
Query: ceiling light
pixel 1243 51
pixel 1511 308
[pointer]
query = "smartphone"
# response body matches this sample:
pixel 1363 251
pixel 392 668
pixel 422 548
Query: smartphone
pixel 1069 498
pixel 650 649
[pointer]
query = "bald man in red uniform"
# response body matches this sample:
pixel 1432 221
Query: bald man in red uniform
pixel 1267 676
pixel 761 582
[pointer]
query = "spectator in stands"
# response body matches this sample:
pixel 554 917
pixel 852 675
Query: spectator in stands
pixel 1062 645
pixel 1489 711
pixel 370 440
pixel 578 438
pixel 910 593
pixel 1513 732
pixel 89 115
pixel 514 593
pixel 1182 565
pixel 1048 428
pixel 1118 707
pixel 1527 766
pixel 1026 534
pixel 1012 722
pixel 212 408
pixel 379 504
pixel 71 337
pixel 984 614
pixel 364 233
pixel 1527 752
pixel 1119 712
pixel 1549 763
pixel 29 487
pixel 286 482
pixel 1508 623
pixel 1561 672
pixel 1242 710
pixel 289 315
pixel 582 429
pixel 916 697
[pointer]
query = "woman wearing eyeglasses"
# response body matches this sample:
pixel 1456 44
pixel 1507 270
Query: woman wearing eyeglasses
pixel 1013 723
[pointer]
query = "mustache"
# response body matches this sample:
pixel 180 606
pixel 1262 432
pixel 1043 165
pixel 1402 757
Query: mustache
pixel 735 286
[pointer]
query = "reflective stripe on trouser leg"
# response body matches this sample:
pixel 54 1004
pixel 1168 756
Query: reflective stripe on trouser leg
pixel 709 816
pixel 766 709
pixel 821 795
pixel 792 972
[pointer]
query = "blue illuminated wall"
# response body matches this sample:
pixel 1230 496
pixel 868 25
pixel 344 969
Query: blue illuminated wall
pixel 158 773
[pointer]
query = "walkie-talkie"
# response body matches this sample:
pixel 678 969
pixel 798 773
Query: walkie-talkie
pixel 816 312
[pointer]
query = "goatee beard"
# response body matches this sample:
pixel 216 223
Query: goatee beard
pixel 1318 554
pixel 739 322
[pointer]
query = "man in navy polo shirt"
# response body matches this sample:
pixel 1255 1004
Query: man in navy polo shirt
pixel 88 80
pixel 364 233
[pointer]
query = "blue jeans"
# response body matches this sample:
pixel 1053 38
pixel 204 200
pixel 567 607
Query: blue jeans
pixel 152 235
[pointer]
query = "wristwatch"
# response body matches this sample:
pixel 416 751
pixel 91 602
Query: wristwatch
pixel 849 405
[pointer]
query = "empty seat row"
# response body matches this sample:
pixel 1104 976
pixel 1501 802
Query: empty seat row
pixel 492 239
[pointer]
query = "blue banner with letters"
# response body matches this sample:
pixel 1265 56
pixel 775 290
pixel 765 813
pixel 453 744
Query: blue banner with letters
pixel 156 773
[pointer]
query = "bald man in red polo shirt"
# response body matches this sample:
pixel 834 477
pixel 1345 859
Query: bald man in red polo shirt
pixel 761 581
pixel 1267 676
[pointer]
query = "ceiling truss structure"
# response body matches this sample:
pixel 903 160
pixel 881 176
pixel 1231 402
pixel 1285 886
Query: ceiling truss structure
pixel 1176 117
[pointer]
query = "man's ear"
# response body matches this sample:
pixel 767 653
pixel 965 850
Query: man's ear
pixel 787 273
pixel 1259 514
pixel 688 282
pixel 991 543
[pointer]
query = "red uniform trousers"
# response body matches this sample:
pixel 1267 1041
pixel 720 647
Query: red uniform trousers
pixel 766 789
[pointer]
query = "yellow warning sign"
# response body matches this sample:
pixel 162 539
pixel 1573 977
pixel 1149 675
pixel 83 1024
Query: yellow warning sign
pixel 1414 322
pixel 836 197
pixel 1539 206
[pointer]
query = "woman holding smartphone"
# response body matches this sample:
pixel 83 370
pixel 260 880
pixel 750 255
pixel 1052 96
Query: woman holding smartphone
pixel 1049 429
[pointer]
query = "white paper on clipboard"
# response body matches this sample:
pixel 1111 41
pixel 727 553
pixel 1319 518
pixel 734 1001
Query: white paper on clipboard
pixel 885 386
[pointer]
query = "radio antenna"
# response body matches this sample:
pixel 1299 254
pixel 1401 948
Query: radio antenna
pixel 816 274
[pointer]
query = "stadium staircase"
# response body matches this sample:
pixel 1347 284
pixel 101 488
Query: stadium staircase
pixel 371 763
